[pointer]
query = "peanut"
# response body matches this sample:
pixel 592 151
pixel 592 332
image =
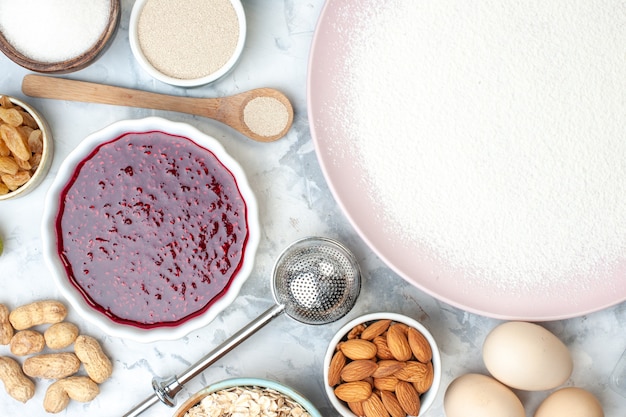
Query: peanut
pixel 97 365
pixel 15 382
pixel 27 342
pixel 51 365
pixel 6 330
pixel 36 313
pixel 78 388
pixel 60 335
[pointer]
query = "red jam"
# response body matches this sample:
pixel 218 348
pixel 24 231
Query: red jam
pixel 152 229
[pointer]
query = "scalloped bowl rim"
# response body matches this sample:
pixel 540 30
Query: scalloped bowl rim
pixel 261 383
pixel 427 399
pixel 140 57
pixel 51 207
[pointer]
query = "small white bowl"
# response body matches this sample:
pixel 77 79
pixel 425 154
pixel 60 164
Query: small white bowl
pixel 426 399
pixel 248 383
pixel 53 204
pixel 46 156
pixel 145 63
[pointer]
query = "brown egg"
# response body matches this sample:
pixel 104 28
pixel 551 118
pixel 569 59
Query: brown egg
pixel 570 402
pixel 476 395
pixel 526 356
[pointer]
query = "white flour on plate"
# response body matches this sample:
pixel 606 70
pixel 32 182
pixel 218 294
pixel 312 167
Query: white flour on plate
pixel 493 133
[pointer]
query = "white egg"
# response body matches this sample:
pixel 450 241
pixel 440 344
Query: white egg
pixel 476 395
pixel 570 402
pixel 526 356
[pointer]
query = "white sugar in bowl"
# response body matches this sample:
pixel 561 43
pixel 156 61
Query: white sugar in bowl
pixel 57 37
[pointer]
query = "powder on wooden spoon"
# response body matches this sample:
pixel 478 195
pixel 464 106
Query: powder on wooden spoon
pixel 265 116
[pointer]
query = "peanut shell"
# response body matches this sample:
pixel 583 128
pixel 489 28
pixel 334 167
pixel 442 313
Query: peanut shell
pixel 51 365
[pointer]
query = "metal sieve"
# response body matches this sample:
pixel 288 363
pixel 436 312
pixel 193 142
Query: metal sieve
pixel 316 280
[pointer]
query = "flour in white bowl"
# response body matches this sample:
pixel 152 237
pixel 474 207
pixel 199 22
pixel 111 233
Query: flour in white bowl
pixel 493 133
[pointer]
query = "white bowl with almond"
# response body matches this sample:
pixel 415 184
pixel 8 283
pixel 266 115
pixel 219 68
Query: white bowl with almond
pixel 382 364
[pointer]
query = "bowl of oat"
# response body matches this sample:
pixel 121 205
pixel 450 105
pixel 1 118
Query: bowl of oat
pixel 187 43
pixel 382 364
pixel 26 148
pixel 247 396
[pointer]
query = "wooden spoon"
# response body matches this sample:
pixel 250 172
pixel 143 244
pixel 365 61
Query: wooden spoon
pixel 227 110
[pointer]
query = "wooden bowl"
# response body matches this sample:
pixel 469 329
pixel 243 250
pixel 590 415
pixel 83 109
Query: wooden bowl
pixel 73 64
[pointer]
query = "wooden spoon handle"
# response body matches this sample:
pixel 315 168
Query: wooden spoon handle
pixel 228 110
pixel 65 89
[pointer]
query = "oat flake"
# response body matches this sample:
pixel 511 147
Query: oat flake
pixel 247 402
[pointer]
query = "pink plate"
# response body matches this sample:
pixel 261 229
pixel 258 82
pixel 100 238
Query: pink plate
pixel 340 23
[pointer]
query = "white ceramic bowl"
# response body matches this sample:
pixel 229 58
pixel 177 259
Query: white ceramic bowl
pixel 46 156
pixel 426 398
pixel 56 265
pixel 248 382
pixel 145 63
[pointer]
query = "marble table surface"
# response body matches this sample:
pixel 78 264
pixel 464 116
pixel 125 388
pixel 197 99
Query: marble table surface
pixel 295 202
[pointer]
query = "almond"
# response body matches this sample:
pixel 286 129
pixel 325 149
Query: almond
pixel 426 382
pixel 354 392
pixel 408 398
pixel 419 345
pixel 358 370
pixel 402 326
pixel 398 342
pixel 374 407
pixel 356 349
pixel 334 370
pixel 392 404
pixel 382 349
pixel 357 409
pixel 387 367
pixel 412 371
pixel 387 383
pixel 375 329
pixel 356 331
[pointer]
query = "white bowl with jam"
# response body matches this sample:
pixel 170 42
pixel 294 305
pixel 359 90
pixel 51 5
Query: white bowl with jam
pixel 150 229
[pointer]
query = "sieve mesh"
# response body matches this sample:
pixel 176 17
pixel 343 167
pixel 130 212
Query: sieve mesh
pixel 317 280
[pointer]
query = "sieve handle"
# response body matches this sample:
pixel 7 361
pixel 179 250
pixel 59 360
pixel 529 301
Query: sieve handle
pixel 166 389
